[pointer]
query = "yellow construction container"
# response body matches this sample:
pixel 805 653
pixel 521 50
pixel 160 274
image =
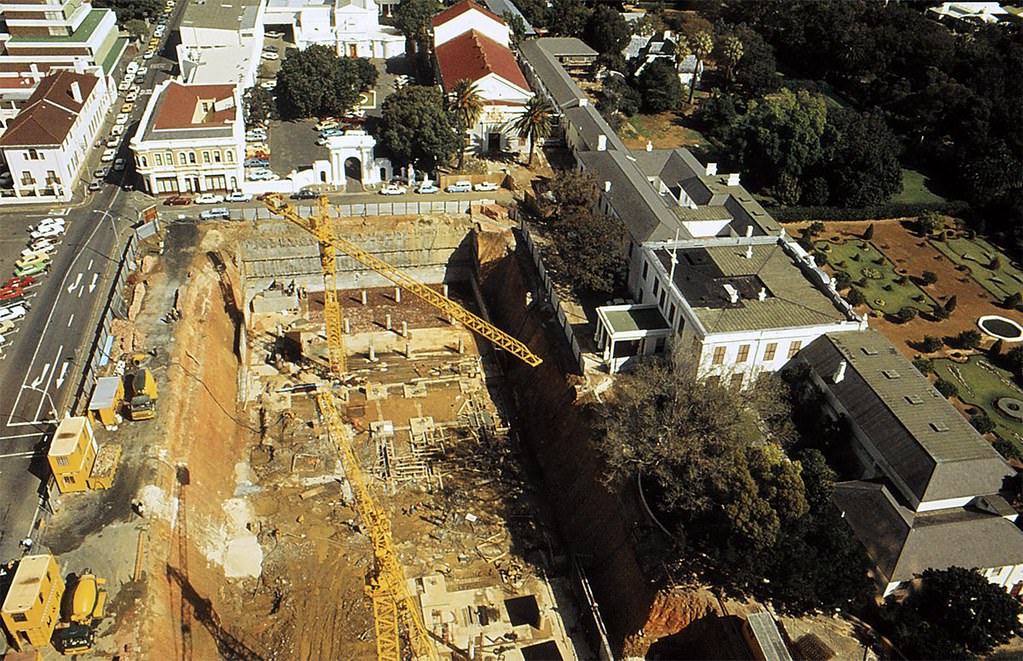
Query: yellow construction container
pixel 31 608
pixel 106 400
pixel 72 454
pixel 105 468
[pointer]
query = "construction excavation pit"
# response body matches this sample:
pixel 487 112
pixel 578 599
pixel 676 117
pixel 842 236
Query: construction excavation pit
pixel 378 510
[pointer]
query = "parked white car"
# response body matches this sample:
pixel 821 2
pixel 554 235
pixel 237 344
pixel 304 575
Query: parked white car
pixel 117 130
pixel 485 187
pixel 121 119
pixel 13 312
pixel 262 174
pixel 124 86
pixel 267 55
pixel 108 155
pixel 41 244
pixel 238 196
pixel 31 252
pixel 268 84
pixel 132 96
pixel 209 198
pixel 131 68
pixel 393 189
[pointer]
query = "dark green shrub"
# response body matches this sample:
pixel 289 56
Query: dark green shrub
pixel 946 388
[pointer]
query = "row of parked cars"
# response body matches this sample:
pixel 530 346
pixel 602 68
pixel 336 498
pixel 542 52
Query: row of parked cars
pixel 33 262
pixel 257 155
pixel 397 188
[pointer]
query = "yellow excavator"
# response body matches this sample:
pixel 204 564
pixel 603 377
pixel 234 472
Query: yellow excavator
pixel 83 607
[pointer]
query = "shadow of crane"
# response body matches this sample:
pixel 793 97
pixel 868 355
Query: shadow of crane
pixel 202 608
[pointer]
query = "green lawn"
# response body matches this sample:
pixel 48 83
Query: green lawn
pixel 978 254
pixel 914 190
pixel 981 385
pixel 874 275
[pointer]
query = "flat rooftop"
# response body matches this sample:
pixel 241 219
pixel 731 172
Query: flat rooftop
pixel 25 586
pixel 221 14
pixel 746 287
pixel 65 440
pixel 631 318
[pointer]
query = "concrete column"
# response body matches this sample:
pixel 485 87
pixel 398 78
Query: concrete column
pixel 444 290
pixel 372 353
pixel 404 329
pixel 387 322
pixel 408 349
pixel 461 345
pixel 397 294
pixel 347 326
pixel 363 296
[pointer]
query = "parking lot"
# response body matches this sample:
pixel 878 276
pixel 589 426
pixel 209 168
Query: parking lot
pixel 293 146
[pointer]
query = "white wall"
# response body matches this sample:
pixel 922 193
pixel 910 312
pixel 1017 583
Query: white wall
pixel 470 20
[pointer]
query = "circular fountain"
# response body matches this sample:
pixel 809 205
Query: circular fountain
pixel 1001 328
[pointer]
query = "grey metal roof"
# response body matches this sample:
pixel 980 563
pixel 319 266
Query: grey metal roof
pixel 768 637
pixel 221 14
pixel 791 298
pixel 555 80
pixel 566 47
pixel 903 545
pixel 640 207
pixel 502 7
pixel 590 125
pixel 923 438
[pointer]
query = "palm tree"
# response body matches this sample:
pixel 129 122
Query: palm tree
pixel 535 123
pixel 702 47
pixel 733 52
pixel 466 102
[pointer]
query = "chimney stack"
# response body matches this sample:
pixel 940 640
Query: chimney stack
pixel 840 372
pixel 76 92
pixel 749 252
pixel 649 146
pixel 733 293
pixel 733 179
pixel 762 294
pixel 601 142
pixel 712 169
pixel 607 186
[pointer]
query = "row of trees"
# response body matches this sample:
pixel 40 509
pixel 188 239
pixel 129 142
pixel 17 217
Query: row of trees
pixel 955 100
pixel 800 149
pixel 127 10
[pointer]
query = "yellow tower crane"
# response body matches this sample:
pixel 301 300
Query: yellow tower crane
pixel 319 226
pixel 393 604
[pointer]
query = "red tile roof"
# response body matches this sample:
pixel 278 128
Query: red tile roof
pixel 50 112
pixel 461 8
pixel 180 106
pixel 472 56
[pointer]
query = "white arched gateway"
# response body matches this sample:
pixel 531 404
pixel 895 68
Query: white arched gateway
pixel 351 155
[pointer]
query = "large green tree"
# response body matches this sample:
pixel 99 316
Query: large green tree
pixel 568 18
pixel 316 83
pixel 660 87
pixel 412 18
pixel 958 614
pixel 606 30
pixel 862 164
pixel 704 445
pixel 127 10
pixel 588 247
pixel 260 106
pixel 535 123
pixel 417 127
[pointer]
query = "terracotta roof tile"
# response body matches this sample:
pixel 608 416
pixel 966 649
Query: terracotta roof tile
pixel 471 56
pixel 181 106
pixel 50 112
pixel 461 8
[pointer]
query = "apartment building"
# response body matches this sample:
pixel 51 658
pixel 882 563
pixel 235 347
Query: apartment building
pixel 191 139
pixel 221 42
pixel 47 143
pixel 38 37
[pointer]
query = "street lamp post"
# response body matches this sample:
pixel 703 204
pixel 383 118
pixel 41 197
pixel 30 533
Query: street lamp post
pixel 53 406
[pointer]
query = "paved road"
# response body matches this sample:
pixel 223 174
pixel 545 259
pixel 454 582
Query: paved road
pixel 42 363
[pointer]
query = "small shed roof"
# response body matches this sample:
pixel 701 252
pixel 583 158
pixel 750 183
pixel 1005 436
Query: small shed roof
pixel 65 440
pixel 105 393
pixel 28 578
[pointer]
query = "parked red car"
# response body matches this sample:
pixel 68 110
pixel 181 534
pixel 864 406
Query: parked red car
pixel 9 293
pixel 177 201
pixel 16 282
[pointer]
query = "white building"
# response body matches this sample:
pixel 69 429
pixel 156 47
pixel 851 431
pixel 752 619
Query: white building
pixel 191 139
pixel 47 143
pixel 221 42
pixel 471 43
pixel 351 27
pixel 969 14
pixel 928 492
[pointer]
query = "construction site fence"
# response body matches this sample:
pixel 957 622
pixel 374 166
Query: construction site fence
pixel 382 208
pixel 552 296
pixel 116 307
